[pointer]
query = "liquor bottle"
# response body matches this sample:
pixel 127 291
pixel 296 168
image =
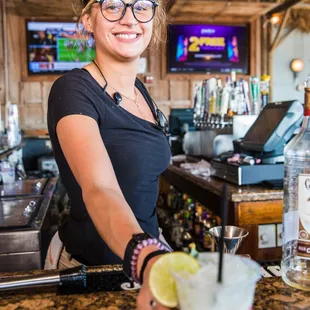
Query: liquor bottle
pixel 205 101
pixel 207 241
pixel 254 82
pixel 192 212
pixel 233 77
pixel 177 202
pixel 241 100
pixel 245 91
pixel 225 98
pixel 198 219
pixel 198 105
pixel 295 263
pixel 233 103
pixel 212 95
pixel 186 239
pixel 219 92
pixel 176 231
pixel 170 197
pixel 206 237
pixel 197 224
pixel 264 89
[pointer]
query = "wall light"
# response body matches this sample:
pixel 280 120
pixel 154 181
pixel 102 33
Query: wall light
pixel 297 65
pixel 274 19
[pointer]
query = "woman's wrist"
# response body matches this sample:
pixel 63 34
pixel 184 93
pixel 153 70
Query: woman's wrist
pixel 148 268
pixel 139 247
pixel 146 261
pixel 144 252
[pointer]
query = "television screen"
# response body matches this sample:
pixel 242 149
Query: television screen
pixel 54 47
pixel 208 48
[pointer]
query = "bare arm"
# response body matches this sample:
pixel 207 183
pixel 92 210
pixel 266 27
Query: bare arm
pixel 89 161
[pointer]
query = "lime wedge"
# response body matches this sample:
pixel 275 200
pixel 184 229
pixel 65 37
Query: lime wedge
pixel 162 283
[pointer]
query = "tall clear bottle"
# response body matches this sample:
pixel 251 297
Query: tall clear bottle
pixel 295 263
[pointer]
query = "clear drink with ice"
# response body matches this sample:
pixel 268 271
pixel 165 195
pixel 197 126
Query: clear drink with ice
pixel 202 292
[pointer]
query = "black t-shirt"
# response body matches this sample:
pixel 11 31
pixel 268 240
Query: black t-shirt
pixel 138 151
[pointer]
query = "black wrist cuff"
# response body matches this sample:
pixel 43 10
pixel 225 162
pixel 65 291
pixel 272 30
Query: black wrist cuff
pixel 147 259
pixel 134 241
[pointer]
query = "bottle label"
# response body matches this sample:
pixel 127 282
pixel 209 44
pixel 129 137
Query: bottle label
pixel 307 101
pixel 303 244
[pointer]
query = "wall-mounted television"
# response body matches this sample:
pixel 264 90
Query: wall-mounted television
pixel 55 47
pixel 208 48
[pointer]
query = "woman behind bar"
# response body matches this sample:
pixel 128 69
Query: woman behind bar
pixel 110 144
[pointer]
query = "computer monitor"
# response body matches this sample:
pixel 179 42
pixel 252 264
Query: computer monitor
pixel 274 126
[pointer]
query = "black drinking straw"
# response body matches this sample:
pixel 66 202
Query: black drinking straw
pixel 224 212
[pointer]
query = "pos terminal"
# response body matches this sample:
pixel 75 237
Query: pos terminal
pixel 264 144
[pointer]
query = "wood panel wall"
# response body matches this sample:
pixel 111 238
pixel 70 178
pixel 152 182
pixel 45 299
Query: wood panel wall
pixel 31 93
pixel 1 60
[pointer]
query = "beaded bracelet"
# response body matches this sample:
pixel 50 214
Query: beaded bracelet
pixel 136 252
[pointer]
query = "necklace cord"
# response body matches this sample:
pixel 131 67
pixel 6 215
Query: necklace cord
pixel 112 86
pixel 100 72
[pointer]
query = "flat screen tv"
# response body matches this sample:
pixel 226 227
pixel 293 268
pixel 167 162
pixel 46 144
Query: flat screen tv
pixel 55 47
pixel 208 48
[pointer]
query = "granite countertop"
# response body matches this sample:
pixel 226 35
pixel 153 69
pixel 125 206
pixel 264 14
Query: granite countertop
pixel 271 293
pixel 237 193
pixel 274 294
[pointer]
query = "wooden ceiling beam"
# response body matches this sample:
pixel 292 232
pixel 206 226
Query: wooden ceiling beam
pixel 41 9
pixel 222 10
pixel 213 11
pixel 276 40
pixel 176 8
pixel 302 6
pixel 282 7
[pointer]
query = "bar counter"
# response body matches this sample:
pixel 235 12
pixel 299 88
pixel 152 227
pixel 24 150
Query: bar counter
pixel 271 293
pixel 214 186
pixel 250 206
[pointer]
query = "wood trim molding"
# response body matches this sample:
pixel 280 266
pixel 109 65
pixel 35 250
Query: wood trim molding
pixel 35 132
pixel 260 212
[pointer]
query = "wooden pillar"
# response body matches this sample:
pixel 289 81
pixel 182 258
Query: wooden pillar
pixel 264 47
pixel 2 90
pixel 258 43
pixel 269 57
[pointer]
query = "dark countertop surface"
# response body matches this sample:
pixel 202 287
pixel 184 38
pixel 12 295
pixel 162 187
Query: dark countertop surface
pixel 237 193
pixel 271 293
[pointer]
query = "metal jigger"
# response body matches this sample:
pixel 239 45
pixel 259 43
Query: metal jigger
pixel 233 237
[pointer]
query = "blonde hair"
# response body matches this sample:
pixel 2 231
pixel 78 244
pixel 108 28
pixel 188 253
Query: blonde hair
pixel 83 7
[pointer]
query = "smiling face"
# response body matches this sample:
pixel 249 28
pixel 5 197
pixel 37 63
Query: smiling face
pixel 124 39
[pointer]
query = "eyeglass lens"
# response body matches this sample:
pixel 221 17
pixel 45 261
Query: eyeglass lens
pixel 114 10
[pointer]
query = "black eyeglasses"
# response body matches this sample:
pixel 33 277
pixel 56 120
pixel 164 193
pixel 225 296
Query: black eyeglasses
pixel 114 10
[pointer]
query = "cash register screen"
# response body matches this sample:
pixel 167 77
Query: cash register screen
pixel 265 125
pixel 271 126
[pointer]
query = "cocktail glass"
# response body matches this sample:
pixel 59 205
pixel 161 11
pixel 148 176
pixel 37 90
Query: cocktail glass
pixel 202 291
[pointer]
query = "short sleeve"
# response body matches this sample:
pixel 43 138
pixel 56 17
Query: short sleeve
pixel 71 94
